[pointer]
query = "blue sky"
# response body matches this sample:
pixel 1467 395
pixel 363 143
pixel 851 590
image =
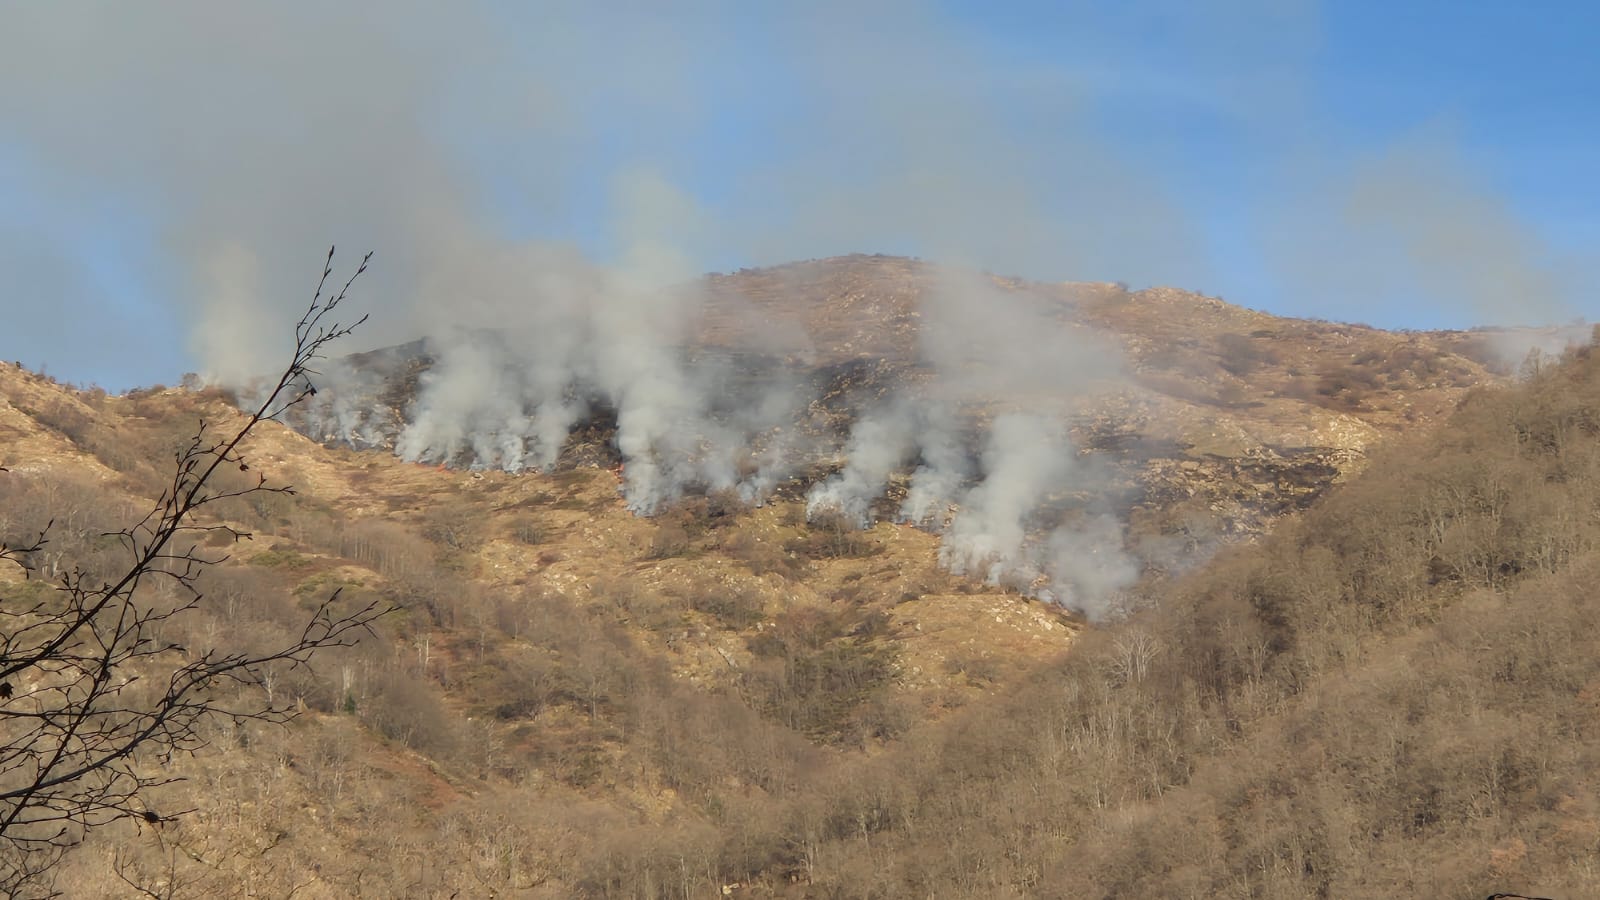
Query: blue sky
pixel 167 174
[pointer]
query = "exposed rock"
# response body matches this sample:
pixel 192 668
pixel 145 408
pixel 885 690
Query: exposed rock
pixel 1242 414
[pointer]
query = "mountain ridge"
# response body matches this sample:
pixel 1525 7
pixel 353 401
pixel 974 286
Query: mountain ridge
pixel 754 701
pixel 1184 395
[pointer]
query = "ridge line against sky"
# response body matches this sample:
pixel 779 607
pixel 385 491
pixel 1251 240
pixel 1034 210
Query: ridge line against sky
pixel 170 172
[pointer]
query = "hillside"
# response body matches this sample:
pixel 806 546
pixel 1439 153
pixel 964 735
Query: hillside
pixel 541 621
pixel 1244 414
pixel 1203 421
pixel 1393 695
pixel 1383 695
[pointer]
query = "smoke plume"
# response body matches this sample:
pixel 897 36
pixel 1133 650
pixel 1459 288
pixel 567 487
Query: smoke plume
pixel 544 184
pixel 1026 458
pixel 992 349
pixel 880 444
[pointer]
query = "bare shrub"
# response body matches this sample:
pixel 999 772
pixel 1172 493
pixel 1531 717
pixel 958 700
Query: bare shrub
pixel 762 557
pixel 811 676
pixel 527 530
pixel 669 541
pixel 457 525
pixel 1243 355
pixel 831 535
pixel 406 709
pixel 737 607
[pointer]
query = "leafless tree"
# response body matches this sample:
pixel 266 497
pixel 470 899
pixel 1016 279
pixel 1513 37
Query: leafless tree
pixel 93 691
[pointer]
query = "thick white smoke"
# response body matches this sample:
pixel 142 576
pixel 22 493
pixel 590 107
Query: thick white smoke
pixel 880 444
pixel 1026 458
pixel 989 348
pixel 473 145
pixel 945 468
pixel 1088 565
pixel 509 396
pixel 347 414
pixel 510 411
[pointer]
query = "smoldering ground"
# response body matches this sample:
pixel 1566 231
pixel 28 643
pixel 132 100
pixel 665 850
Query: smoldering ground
pixel 556 174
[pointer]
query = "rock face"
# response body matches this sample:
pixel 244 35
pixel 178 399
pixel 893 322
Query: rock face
pixel 1209 420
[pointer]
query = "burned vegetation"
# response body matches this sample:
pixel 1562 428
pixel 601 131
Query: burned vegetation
pixel 1344 671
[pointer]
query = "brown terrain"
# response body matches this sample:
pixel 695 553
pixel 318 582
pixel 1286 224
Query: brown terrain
pixel 1242 414
pixel 727 701
pixel 1214 416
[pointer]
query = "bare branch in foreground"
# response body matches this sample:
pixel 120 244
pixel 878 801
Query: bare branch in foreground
pixel 78 715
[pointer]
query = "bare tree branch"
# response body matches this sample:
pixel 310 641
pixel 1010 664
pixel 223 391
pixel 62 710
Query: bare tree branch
pixel 75 720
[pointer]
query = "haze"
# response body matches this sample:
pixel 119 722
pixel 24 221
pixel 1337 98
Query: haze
pixel 171 173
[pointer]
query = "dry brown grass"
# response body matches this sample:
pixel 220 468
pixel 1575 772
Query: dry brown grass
pixel 1386 696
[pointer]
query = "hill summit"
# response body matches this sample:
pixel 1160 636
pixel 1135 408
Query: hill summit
pixel 1381 690
pixel 1061 437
